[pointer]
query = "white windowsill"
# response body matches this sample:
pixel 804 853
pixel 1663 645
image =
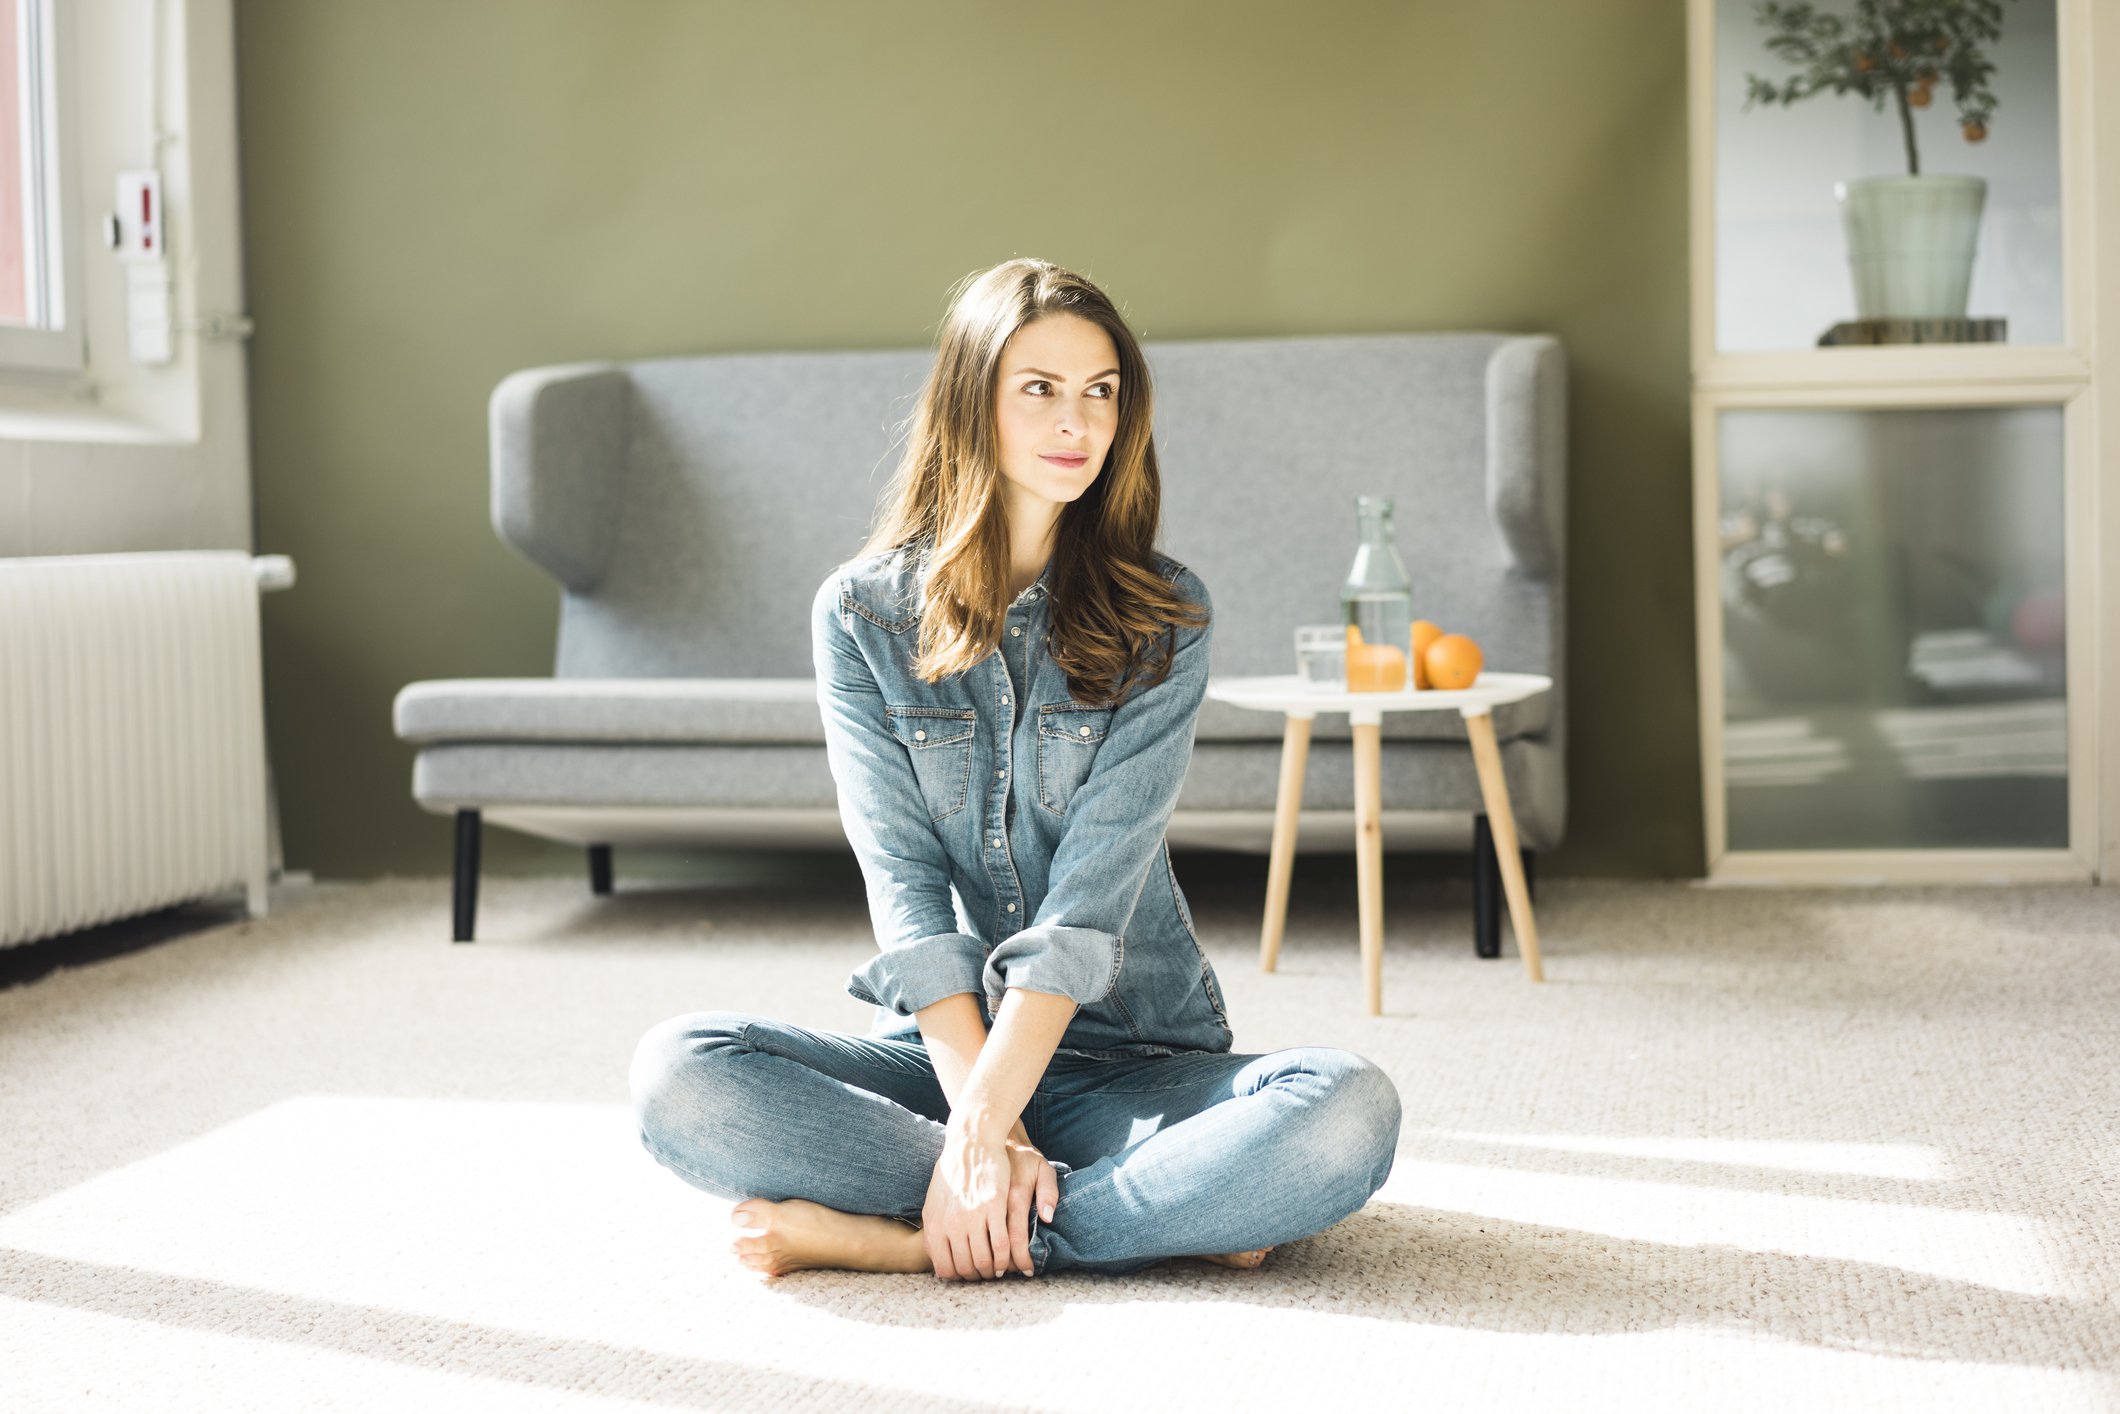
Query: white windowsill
pixel 34 408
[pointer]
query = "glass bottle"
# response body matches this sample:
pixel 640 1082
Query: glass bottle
pixel 1377 602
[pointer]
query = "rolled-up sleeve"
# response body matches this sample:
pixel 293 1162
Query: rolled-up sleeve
pixel 924 956
pixel 1075 943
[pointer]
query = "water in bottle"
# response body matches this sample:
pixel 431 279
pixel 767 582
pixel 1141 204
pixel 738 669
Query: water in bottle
pixel 1377 603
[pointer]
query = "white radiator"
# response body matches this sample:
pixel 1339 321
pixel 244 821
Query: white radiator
pixel 132 735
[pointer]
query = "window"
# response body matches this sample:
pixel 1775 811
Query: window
pixel 40 302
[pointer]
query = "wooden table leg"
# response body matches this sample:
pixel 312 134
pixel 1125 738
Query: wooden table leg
pixel 1369 856
pixel 1295 754
pixel 1494 789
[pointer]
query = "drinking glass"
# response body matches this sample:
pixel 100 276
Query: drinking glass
pixel 1321 656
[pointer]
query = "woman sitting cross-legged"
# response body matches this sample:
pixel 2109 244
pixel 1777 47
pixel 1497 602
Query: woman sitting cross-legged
pixel 1010 674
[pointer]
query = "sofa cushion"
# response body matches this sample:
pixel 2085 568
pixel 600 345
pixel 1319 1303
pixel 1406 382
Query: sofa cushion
pixel 725 710
pixel 1225 776
pixel 783 711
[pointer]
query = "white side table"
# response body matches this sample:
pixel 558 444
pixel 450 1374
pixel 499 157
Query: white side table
pixel 1301 703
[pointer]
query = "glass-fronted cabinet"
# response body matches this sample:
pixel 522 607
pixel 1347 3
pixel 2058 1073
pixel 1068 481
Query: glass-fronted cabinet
pixel 1893 540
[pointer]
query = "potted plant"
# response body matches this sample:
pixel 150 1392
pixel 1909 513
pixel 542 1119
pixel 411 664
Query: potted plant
pixel 1910 238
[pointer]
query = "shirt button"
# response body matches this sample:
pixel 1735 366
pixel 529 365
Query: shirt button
pixel 1015 632
pixel 920 736
pixel 1085 731
pixel 1012 908
pixel 997 844
pixel 1004 702
pixel 1000 775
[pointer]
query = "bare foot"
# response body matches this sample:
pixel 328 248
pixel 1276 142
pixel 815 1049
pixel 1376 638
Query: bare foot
pixel 774 1239
pixel 1246 1260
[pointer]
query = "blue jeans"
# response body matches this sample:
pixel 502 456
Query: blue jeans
pixel 1157 1157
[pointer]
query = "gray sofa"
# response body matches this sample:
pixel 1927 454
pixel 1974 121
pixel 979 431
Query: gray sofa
pixel 689 507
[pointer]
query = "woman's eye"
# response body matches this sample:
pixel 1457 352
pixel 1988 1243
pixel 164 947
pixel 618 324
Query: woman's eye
pixel 1037 383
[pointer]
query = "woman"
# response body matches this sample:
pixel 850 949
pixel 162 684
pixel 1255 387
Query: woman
pixel 1009 675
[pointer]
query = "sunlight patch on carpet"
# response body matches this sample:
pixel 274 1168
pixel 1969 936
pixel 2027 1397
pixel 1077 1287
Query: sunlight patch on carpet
pixel 1994 1250
pixel 352 1251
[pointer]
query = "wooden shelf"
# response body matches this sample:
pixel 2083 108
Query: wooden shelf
pixel 1915 331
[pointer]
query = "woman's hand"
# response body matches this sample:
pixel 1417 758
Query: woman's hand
pixel 976 1221
pixel 1031 1181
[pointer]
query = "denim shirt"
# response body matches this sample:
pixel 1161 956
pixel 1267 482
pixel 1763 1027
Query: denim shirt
pixel 1009 835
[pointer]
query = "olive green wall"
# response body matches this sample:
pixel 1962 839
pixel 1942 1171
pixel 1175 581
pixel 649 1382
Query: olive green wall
pixel 438 192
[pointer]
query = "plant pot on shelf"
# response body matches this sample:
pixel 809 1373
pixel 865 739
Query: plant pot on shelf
pixel 1910 243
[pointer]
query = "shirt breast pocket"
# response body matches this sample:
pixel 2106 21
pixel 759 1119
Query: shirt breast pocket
pixel 1068 737
pixel 939 739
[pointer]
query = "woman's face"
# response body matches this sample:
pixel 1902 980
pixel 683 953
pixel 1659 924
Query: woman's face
pixel 1056 408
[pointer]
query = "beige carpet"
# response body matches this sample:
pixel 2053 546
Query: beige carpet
pixel 1743 1150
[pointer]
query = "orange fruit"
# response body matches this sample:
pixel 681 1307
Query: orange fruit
pixel 1424 633
pixel 1975 132
pixel 1375 667
pixel 1917 98
pixel 1453 662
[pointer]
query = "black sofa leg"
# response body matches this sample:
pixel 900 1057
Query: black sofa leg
pixel 1486 891
pixel 600 868
pixel 467 836
pixel 1487 888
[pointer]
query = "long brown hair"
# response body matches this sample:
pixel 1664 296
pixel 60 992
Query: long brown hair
pixel 1113 612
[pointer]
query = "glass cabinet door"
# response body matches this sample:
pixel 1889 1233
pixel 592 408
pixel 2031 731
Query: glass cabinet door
pixel 1886 173
pixel 1893 665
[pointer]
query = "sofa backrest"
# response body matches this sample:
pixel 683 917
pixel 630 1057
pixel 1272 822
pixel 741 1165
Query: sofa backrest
pixel 690 506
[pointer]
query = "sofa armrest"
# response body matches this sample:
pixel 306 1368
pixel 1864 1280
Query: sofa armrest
pixel 1527 449
pixel 558 438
